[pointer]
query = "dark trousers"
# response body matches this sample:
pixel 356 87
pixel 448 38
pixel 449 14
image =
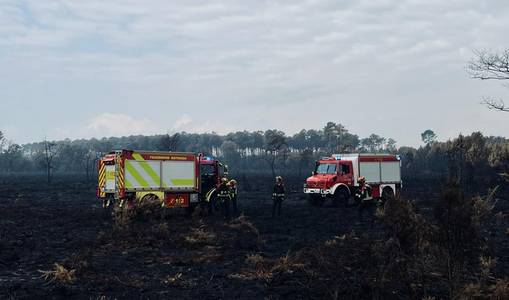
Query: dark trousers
pixel 276 206
pixel 234 206
pixel 225 204
pixel 366 207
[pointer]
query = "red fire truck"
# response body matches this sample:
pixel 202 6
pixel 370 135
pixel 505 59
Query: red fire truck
pixel 177 179
pixel 336 177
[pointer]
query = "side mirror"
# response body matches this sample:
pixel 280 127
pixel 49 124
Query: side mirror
pixel 313 173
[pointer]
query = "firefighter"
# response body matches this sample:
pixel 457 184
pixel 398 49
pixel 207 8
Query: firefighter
pixel 223 196
pixel 278 195
pixel 363 196
pixel 233 196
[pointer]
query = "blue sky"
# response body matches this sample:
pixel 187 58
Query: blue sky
pixel 81 69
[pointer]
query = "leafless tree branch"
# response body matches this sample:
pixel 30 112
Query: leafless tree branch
pixel 490 66
pixel 486 65
pixel 495 104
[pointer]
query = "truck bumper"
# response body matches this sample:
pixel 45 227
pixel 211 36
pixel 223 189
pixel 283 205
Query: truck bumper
pixel 322 192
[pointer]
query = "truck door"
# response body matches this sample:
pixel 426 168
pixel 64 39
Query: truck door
pixel 208 176
pixel 345 173
pixel 110 176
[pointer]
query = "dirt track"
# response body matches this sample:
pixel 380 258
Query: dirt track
pixel 180 258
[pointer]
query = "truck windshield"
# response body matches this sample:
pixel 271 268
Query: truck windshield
pixel 326 169
pixel 207 170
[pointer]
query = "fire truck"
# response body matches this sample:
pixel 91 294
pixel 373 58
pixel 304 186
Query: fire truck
pixel 336 177
pixel 177 179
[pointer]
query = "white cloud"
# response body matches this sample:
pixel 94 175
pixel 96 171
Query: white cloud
pixel 111 124
pixel 186 123
pixel 182 122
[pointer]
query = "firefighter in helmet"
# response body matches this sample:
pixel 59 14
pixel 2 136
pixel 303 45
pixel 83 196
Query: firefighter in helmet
pixel 223 196
pixel 363 195
pixel 364 190
pixel 233 195
pixel 278 195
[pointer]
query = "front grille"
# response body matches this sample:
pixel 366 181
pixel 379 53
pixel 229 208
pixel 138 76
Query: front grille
pixel 312 185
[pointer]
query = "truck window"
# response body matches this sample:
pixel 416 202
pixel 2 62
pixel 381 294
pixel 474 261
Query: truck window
pixel 207 170
pixel 345 169
pixel 326 169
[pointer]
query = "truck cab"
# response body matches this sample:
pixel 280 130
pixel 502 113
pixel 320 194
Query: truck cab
pixel 329 174
pixel 211 172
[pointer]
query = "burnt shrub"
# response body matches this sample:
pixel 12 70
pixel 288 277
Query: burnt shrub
pixel 405 253
pixel 245 234
pixel 461 235
pixel 343 267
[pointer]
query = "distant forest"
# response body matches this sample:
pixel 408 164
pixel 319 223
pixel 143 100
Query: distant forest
pixel 466 159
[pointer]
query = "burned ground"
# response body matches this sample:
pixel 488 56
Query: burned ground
pixel 252 256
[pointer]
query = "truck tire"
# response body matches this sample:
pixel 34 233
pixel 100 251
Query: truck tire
pixel 387 194
pixel 149 207
pixel 316 200
pixel 341 197
pixel 149 198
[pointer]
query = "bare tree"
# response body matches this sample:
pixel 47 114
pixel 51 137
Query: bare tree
pixel 49 153
pixel 495 104
pixel 87 160
pixel 306 157
pixel 390 145
pixel 275 143
pixel 491 66
pixel 12 155
pixel 169 143
pixel 2 140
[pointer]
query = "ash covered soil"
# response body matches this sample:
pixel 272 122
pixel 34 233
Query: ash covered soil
pixel 175 257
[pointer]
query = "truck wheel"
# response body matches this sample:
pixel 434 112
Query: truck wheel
pixel 148 207
pixel 149 200
pixel 341 197
pixel 387 194
pixel 316 200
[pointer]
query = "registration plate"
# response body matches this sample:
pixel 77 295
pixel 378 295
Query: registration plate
pixel 177 200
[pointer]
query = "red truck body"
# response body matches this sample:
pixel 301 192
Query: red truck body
pixel 337 176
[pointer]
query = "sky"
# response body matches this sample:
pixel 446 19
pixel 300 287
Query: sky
pixel 82 69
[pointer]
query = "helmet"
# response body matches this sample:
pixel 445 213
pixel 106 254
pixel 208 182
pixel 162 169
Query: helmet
pixel 279 178
pixel 233 182
pixel 224 180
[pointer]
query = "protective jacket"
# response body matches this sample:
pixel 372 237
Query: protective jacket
pixel 223 192
pixel 233 192
pixel 363 193
pixel 279 190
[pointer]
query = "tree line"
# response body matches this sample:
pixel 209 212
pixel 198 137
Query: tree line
pixel 466 158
